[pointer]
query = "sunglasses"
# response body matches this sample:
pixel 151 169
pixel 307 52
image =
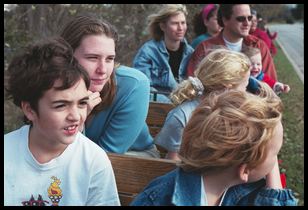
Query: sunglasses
pixel 243 18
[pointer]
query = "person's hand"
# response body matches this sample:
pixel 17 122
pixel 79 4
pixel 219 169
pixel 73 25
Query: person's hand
pixel 273 178
pixel 94 100
pixel 281 88
pixel 286 88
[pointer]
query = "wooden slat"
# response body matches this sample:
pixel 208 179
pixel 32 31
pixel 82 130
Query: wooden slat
pixel 133 173
pixel 125 199
pixel 157 115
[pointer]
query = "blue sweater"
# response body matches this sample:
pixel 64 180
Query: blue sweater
pixel 122 126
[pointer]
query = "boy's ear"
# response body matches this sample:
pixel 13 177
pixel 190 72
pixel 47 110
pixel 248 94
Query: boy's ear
pixel 28 111
pixel 243 173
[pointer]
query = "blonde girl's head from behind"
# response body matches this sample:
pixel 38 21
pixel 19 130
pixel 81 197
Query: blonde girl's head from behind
pixel 221 69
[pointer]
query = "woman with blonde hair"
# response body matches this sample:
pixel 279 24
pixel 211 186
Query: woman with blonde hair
pixel 228 155
pixel 164 58
pixel 222 69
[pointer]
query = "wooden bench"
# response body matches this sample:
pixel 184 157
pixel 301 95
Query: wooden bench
pixel 156 116
pixel 154 93
pixel 133 173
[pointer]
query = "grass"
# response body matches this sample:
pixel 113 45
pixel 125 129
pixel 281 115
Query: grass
pixel 292 152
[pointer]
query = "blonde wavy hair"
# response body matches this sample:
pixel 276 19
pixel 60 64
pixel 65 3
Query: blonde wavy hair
pixel 220 69
pixel 230 128
pixel 162 16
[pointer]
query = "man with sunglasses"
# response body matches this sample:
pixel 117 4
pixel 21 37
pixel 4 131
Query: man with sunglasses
pixel 236 22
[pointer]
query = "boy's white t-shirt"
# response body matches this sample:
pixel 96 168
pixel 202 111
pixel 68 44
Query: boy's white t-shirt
pixel 81 175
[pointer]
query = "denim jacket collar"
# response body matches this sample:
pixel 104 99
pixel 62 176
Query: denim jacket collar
pixel 237 192
pixel 187 189
pixel 162 46
pixel 184 189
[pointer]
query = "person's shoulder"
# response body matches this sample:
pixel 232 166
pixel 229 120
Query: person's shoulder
pixel 252 40
pixel 90 148
pixel 149 50
pixel 11 134
pixel 191 103
pixel 161 184
pixel 188 106
pixel 150 44
pixel 188 48
pixel 210 43
pixel 130 73
pixel 200 38
pixel 177 113
pixel 15 142
pixel 251 37
pixel 214 40
pixel 261 31
pixel 15 135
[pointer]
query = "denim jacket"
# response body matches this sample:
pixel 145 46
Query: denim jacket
pixel 153 60
pixel 180 188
